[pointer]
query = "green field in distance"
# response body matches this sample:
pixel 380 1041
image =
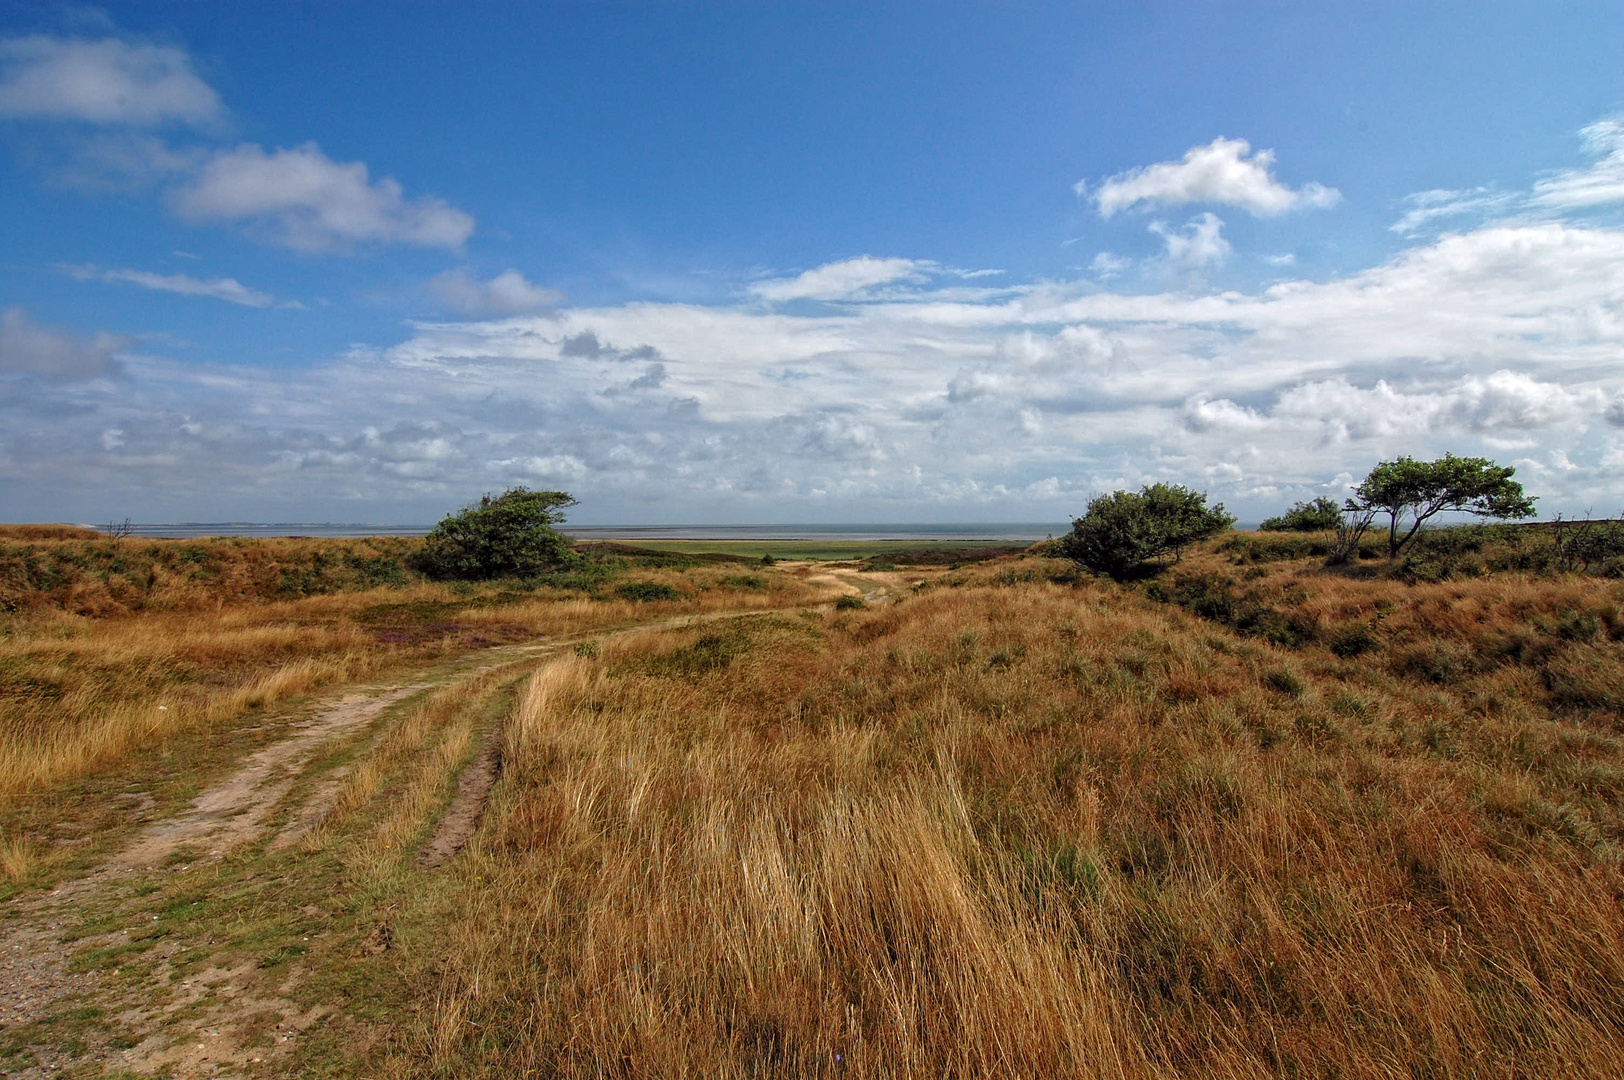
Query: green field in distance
pixel 818 549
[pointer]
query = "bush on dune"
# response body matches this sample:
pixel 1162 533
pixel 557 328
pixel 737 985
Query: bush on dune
pixel 509 535
pixel 1317 516
pixel 1121 532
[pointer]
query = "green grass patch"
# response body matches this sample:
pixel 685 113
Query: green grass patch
pixel 825 550
pixel 647 591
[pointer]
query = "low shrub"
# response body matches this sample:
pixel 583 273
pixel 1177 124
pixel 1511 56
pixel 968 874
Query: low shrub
pixel 510 535
pixel 1243 548
pixel 1350 640
pixel 1287 682
pixel 1217 598
pixel 646 591
pixel 1321 515
pixel 710 652
pixel 1123 531
pixel 1587 678
pixel 1442 662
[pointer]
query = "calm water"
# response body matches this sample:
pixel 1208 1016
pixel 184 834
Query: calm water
pixel 1018 530
pixel 189 529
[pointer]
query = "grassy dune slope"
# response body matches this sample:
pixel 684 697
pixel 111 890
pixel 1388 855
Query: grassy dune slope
pixel 1019 828
pixel 1248 817
pixel 109 650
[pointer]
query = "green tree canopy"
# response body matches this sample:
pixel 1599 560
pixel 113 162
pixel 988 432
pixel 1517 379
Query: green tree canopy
pixel 511 535
pixel 1413 490
pixel 1122 531
pixel 1316 516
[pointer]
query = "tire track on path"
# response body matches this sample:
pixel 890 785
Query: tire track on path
pixel 183 1023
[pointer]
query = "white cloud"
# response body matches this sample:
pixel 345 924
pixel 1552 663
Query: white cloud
pixel 1615 410
pixel 117 161
pixel 1597 184
pixel 1219 172
pixel 1106 265
pixel 1516 401
pixel 303 199
pixel 1202 414
pixel 1588 187
pixel 927 400
pixel 1426 207
pixel 31 348
pixel 846 280
pixel 1500 403
pixel 102 82
pixel 297 197
pixel 1199 245
pixel 228 289
pixel 508 293
pixel 561 468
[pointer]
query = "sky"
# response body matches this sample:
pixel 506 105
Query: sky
pixel 821 262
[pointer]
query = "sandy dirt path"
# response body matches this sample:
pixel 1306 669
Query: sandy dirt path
pixel 184 1024
pixel 37 979
pixel 234 811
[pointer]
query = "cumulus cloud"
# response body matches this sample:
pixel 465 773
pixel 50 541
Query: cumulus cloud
pixel 1614 414
pixel 296 197
pixel 103 82
pixel 846 280
pixel 923 403
pixel 1198 245
pixel 1220 172
pixel 508 293
pixel 585 344
pixel 228 289
pixel 117 161
pixel 924 400
pixel 1499 403
pixel 1203 415
pixel 31 348
pixel 304 200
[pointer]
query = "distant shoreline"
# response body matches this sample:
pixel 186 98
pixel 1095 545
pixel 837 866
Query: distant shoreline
pixel 1020 531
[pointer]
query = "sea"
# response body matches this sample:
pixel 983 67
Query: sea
pixel 1026 531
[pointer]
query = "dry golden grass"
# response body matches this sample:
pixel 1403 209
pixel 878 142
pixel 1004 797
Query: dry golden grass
pixel 52 567
pixel 48 532
pixel 80 694
pixel 1027 829
pixel 17 858
pixel 1278 822
pixel 85 682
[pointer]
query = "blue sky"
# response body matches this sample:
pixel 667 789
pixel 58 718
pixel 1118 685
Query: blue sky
pixel 801 262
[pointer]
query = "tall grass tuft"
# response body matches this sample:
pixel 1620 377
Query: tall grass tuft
pixel 1129 849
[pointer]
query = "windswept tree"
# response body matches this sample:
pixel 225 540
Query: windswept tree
pixel 1410 492
pixel 1122 531
pixel 510 535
